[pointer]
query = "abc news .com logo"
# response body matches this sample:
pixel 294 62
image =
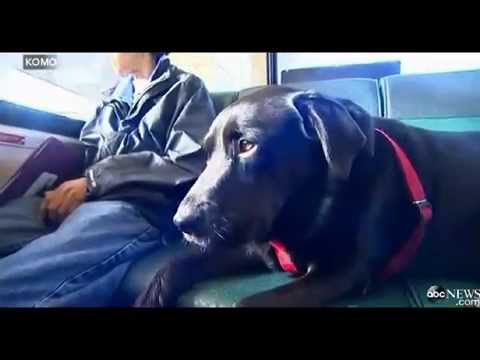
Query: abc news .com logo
pixel 40 62
pixel 464 297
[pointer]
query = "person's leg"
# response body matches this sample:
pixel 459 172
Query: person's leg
pixel 82 263
pixel 20 223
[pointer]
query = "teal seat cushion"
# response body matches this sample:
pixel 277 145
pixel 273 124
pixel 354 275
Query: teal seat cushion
pixel 398 292
pixel 446 123
pixel 226 292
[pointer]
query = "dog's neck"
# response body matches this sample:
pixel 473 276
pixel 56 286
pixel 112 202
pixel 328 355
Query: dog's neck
pixel 329 212
pixel 306 223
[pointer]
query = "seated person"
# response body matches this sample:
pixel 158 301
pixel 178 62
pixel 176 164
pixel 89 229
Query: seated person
pixel 143 151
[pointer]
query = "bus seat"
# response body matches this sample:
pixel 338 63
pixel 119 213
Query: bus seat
pixel 227 291
pixel 447 101
pixel 222 99
pixel 364 92
pixel 374 70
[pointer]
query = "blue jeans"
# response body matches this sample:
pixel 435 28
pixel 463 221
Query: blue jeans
pixel 81 263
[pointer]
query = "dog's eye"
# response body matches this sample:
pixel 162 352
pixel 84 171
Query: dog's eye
pixel 245 146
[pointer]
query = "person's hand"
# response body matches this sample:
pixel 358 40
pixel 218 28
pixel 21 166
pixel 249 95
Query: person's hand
pixel 60 203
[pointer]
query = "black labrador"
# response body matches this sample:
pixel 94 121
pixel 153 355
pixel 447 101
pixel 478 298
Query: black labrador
pixel 315 174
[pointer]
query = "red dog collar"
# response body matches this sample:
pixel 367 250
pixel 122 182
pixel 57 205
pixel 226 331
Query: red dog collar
pixel 409 249
pixel 283 256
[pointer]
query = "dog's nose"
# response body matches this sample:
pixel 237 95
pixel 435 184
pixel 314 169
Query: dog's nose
pixel 188 223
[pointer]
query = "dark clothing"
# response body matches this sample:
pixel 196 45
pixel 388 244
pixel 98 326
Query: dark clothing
pixel 148 152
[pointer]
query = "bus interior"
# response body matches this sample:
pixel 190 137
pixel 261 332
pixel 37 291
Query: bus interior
pixel 436 91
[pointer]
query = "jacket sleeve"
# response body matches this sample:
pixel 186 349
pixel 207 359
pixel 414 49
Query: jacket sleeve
pixel 189 112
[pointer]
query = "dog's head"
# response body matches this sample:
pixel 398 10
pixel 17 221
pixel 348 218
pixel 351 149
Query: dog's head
pixel 263 151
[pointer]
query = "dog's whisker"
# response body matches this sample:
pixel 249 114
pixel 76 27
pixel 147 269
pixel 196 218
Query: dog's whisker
pixel 217 231
pixel 219 235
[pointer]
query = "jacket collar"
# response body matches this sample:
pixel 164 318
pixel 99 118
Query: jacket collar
pixel 124 89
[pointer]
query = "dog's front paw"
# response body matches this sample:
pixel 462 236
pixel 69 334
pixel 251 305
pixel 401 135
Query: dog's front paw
pixel 156 294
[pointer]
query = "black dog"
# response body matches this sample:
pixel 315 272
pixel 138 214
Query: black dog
pixel 316 174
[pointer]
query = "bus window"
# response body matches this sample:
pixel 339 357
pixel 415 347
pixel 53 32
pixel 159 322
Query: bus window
pixel 225 71
pixel 75 83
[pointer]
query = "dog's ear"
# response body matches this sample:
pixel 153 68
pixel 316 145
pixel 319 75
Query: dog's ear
pixel 328 121
pixel 364 121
